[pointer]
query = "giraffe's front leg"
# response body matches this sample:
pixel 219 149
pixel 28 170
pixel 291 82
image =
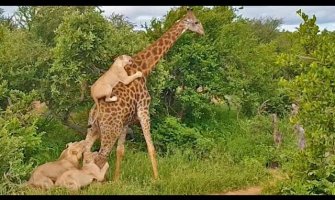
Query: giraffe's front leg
pixel 120 153
pixel 143 116
pixel 92 135
pixel 109 135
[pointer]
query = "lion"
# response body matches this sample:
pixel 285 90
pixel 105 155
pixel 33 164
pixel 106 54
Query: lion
pixel 45 175
pixel 75 179
pixel 103 87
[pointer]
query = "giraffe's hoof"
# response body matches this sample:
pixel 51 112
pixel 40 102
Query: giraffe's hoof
pixel 155 180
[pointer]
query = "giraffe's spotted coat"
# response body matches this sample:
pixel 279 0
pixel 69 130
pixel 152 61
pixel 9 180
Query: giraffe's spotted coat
pixel 133 101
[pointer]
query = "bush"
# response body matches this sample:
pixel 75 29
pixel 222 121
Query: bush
pixel 251 138
pixel 171 134
pixel 19 137
pixel 313 90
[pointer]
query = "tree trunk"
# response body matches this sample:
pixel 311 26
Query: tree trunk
pixel 277 136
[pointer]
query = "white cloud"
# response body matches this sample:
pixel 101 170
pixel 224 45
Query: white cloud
pixel 134 11
pixel 140 14
pixel 137 14
pixel 324 14
pixel 289 27
pixel 328 26
pixel 9 10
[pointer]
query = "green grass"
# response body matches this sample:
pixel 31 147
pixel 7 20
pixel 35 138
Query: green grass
pixel 237 160
pixel 179 174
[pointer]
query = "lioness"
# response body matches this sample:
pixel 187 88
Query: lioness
pixel 103 87
pixel 45 175
pixel 75 179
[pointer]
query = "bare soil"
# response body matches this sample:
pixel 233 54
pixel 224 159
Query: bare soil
pixel 255 190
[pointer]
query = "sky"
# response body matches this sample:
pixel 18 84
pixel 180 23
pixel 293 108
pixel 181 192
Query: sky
pixel 140 14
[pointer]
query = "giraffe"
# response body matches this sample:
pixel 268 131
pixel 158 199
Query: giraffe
pixel 134 99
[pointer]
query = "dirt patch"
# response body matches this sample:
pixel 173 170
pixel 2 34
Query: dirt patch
pixel 249 191
pixel 256 190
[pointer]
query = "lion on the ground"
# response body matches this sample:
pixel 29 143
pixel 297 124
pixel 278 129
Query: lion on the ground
pixel 77 178
pixel 45 175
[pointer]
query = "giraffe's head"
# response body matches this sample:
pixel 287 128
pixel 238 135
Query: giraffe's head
pixel 192 23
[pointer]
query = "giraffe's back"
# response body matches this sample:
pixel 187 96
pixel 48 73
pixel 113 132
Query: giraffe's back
pixel 123 111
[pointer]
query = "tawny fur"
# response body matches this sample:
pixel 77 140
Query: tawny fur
pixel 45 175
pixel 103 87
pixel 77 178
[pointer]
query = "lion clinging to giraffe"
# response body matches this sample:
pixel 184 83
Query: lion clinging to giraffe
pixel 103 87
pixel 134 99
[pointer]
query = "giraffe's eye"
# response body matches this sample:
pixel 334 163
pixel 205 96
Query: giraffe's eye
pixel 196 22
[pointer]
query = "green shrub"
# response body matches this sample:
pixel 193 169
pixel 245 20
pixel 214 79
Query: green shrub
pixel 19 137
pixel 171 134
pixel 313 89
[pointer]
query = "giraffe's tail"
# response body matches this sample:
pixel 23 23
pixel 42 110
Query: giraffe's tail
pixel 96 114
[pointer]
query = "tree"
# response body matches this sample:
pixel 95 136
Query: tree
pixel 6 21
pixel 24 61
pixel 86 44
pixel 229 60
pixel 44 20
pixel 120 21
pixel 266 29
pixel 25 16
pixel 313 89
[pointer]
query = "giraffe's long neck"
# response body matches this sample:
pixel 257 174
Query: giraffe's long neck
pixel 147 59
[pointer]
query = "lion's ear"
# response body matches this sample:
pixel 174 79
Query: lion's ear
pixel 68 144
